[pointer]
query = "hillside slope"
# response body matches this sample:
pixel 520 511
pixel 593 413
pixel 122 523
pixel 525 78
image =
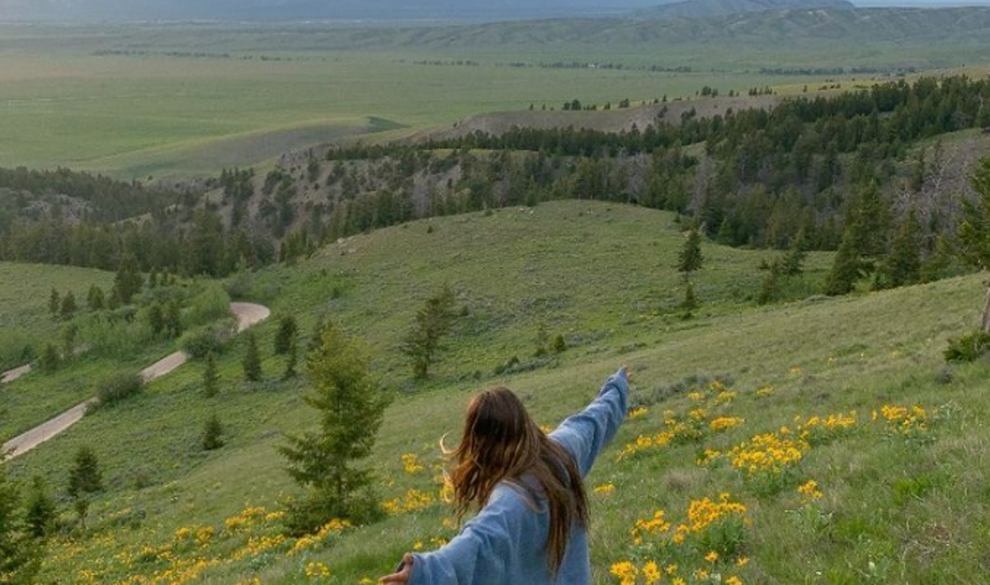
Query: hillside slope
pixel 600 275
pixel 707 8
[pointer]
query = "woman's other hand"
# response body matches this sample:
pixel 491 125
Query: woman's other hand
pixel 402 577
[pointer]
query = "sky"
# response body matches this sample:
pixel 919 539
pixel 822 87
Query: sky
pixel 72 10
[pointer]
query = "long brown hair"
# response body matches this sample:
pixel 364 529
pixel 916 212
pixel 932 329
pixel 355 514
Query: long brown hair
pixel 502 443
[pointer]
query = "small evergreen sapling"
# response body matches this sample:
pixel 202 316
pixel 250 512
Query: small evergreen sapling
pixel 252 360
pixel 211 379
pixel 69 307
pixel 54 303
pixel 287 331
pixel 325 461
pixel 213 434
pixel 41 511
pixel 85 476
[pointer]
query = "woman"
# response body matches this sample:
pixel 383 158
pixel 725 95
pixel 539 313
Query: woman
pixel 532 525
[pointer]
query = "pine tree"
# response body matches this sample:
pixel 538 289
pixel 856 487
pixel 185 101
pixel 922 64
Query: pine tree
pixel 325 462
pixel 50 359
pixel 290 364
pixel 173 318
pixel 211 378
pixel 974 232
pixel 156 319
pixel 793 263
pixel 903 264
pixel 213 434
pixel 69 334
pixel 286 336
pixel 19 560
pixel 942 262
pixel 41 511
pixel 690 259
pixel 770 289
pixel 559 344
pixel 433 322
pixel 846 269
pixel 85 476
pixel 68 308
pixel 128 281
pixel 54 303
pixel 252 359
pixel 95 299
pixel 316 337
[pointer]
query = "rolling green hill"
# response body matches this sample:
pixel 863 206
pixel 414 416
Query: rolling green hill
pixel 24 294
pixel 889 508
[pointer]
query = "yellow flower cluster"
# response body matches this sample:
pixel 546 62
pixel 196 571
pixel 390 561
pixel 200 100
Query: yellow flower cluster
pixel 768 453
pixel 725 397
pixel 411 464
pixel 705 512
pixel 810 491
pixel 818 429
pixel 654 527
pixel 246 519
pixel 765 391
pixel 708 455
pixel 902 419
pixel 317 570
pixel 605 489
pixel 626 571
pixel 256 545
pixel 724 423
pixel 638 412
pixel 331 528
pixel 413 501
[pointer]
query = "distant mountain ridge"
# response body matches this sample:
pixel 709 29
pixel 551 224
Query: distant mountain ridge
pixel 287 10
pixel 709 8
pixel 767 30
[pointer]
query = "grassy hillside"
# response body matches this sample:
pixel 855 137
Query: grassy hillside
pixel 890 509
pixel 24 294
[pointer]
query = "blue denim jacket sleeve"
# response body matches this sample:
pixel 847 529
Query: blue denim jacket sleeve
pixel 585 434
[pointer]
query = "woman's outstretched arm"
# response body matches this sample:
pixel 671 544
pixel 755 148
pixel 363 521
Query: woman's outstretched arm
pixel 480 554
pixel 585 434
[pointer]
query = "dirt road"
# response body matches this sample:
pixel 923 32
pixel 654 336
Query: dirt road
pixel 247 315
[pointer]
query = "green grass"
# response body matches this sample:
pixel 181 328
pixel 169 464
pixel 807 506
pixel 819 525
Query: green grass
pixel 893 510
pixel 24 293
pixel 140 115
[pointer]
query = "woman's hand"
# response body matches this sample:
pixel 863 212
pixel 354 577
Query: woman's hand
pixel 626 372
pixel 402 577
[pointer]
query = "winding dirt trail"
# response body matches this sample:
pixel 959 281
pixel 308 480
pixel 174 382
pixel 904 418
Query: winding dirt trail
pixel 247 315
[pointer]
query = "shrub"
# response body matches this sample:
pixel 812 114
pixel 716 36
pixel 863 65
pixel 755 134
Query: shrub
pixel 208 306
pixel 968 347
pixel 213 338
pixel 117 387
pixel 13 345
pixel 114 336
pixel 50 359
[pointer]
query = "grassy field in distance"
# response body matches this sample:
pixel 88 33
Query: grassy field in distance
pixel 135 115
